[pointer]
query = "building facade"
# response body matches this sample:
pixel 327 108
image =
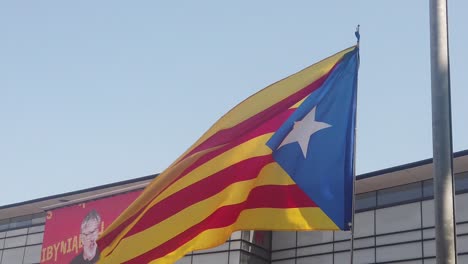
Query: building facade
pixel 394 223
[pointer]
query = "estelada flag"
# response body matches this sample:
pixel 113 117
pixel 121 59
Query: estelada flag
pixel 280 160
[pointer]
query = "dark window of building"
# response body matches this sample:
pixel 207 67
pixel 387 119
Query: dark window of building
pixel 366 201
pixel 4 224
pixel 428 189
pixel 461 181
pixel 38 218
pixel 461 184
pixel 20 221
pixel 408 192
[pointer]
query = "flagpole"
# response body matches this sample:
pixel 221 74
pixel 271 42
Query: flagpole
pixel 442 135
pixel 358 37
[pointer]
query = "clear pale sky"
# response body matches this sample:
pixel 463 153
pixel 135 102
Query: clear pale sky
pixel 95 92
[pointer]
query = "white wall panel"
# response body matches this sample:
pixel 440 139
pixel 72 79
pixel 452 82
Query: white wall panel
pixel 222 247
pixel 462 229
pixel 322 259
pixel 461 203
pixel 399 252
pixel 32 254
pixel 15 241
pixel 291 253
pixel 342 258
pixel 236 235
pixel 429 248
pixel 234 257
pixel 463 259
pixel 428 213
pixel 185 260
pixel 364 242
pixel 13 256
pixel 35 238
pixel 344 245
pixel 287 261
pixel 312 250
pixel 305 238
pixel 409 262
pixel 218 258
pixel 429 233
pixel 398 218
pixel 364 256
pixel 462 244
pixel 364 224
pixel 283 239
pixel 399 237
pixel 16 232
pixel 342 235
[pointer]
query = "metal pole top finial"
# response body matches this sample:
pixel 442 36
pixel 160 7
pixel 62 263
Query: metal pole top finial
pixel 356 33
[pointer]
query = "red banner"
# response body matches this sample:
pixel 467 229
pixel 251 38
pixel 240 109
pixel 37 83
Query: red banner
pixel 71 232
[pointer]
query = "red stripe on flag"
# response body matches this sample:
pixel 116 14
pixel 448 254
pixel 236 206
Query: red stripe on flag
pixel 245 170
pixel 199 191
pixel 261 197
pixel 268 127
pixel 224 136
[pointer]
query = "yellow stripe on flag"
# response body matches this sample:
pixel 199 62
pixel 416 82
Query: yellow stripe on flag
pixel 268 218
pixel 252 148
pixel 271 95
pixel 155 187
pixel 144 233
pixel 136 244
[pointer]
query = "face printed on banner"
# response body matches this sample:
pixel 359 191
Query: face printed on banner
pixel 71 232
pixel 89 235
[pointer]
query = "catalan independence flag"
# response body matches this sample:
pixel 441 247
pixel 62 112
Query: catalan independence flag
pixel 280 160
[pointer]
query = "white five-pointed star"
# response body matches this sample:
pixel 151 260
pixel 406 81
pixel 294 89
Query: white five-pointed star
pixel 302 131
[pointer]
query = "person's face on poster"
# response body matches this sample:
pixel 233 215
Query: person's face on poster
pixel 89 235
